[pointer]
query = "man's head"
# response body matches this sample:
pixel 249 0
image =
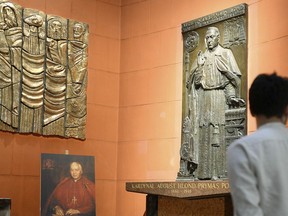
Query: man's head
pixel 76 170
pixel 268 96
pixel 212 37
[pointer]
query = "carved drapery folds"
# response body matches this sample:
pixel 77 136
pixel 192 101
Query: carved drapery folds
pixel 43 73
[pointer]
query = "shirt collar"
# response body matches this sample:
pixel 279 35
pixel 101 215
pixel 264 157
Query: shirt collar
pixel 272 124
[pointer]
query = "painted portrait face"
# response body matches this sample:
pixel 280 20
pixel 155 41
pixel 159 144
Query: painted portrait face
pixel 212 38
pixel 75 170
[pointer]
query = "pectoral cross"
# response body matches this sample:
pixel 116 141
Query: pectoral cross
pixel 74 200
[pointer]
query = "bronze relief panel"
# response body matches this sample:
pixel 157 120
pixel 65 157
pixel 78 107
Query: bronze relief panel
pixel 43 72
pixel 214 91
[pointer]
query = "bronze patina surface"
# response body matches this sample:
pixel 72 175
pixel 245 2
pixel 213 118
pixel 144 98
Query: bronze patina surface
pixel 214 91
pixel 43 73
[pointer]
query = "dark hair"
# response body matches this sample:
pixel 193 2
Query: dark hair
pixel 268 95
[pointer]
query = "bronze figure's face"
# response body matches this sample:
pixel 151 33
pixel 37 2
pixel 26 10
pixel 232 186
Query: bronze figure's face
pixel 56 29
pixel 78 30
pixel 9 17
pixel 212 38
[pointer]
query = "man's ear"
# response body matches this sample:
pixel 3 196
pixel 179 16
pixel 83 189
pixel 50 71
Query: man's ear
pixel 286 111
pixel 252 113
pixel 286 115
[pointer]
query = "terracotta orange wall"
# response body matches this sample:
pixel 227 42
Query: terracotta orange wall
pixel 151 81
pixel 134 95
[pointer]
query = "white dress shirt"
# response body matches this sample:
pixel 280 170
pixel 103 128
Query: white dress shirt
pixel 258 172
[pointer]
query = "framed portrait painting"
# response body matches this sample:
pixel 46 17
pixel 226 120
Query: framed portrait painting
pixel 67 185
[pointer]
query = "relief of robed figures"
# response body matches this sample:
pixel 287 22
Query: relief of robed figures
pixel 43 73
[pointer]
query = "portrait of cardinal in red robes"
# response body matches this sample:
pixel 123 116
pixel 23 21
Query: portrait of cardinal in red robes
pixel 73 195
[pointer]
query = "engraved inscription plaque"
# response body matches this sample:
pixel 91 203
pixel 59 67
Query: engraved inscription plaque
pixel 43 72
pixel 214 91
pixel 183 189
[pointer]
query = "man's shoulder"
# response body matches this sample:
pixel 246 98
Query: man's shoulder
pixel 248 140
pixel 224 52
pixel 258 137
pixel 86 180
pixel 64 181
pixel 220 49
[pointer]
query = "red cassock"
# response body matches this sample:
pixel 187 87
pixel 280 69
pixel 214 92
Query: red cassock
pixel 79 195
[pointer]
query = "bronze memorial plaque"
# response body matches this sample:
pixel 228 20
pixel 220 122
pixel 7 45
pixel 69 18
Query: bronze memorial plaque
pixel 213 115
pixel 214 92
